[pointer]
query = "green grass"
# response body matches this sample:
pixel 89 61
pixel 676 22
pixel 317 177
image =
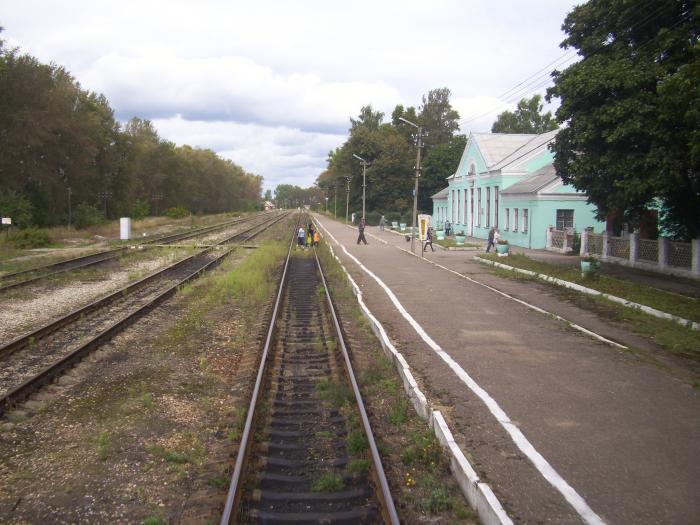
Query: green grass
pixel 358 466
pixel 686 307
pixel 450 243
pixel 103 445
pixel 335 393
pixel 328 482
pixel 357 442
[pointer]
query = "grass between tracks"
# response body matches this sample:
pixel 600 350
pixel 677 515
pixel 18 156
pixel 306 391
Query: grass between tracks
pixel 145 435
pixel 416 467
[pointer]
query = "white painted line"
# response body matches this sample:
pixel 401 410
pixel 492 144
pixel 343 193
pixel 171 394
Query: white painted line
pixel 542 465
pixel 486 504
pixel 520 301
pixel 590 291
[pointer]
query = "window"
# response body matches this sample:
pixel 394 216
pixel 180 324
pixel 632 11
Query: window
pixel 525 220
pixel 565 219
pixel 478 203
pixel 495 207
pixel 453 207
pixel 464 207
pixel 515 219
pixel 507 218
pixel 488 207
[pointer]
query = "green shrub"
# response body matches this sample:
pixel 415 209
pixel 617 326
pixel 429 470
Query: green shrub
pixel 176 212
pixel 87 215
pixel 140 209
pixel 17 207
pixel 30 238
pixel 372 218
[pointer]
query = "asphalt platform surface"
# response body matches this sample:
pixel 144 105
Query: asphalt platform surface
pixel 620 432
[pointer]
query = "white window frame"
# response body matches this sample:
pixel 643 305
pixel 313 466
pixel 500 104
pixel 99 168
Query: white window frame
pixel 507 216
pixel 526 218
pixel 515 219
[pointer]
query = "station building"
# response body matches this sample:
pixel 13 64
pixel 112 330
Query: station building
pixel 507 181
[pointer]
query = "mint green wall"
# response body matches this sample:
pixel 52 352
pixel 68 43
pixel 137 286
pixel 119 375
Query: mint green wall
pixel 544 158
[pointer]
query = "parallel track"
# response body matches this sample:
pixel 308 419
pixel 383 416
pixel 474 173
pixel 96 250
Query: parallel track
pixel 36 358
pixel 304 441
pixel 17 279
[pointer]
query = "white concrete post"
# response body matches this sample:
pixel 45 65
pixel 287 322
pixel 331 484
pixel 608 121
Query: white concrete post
pixel 548 243
pixel 695 258
pixel 584 243
pixel 604 255
pixel 663 252
pixel 634 246
pixel 565 242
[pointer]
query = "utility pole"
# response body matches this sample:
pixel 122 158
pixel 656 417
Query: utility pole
pixel 347 198
pixel 419 145
pixel 364 181
pixel 106 195
pixel 335 211
pixel 157 197
pixel 69 207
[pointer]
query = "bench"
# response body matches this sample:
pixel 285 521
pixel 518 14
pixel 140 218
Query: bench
pixel 394 225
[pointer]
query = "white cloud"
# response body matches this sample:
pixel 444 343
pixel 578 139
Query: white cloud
pixel 289 73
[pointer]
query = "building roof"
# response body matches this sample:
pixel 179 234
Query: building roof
pixel 533 182
pixel 536 144
pixel 442 194
pixel 504 149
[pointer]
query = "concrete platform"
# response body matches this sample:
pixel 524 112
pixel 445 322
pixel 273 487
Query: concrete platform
pixel 564 427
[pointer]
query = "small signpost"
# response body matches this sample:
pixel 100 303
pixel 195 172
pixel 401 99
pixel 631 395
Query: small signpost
pixel 7 221
pixel 423 224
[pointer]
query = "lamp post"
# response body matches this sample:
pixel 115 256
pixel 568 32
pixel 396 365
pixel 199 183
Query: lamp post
pixel 105 195
pixel 364 183
pixel 419 145
pixel 347 198
pixel 335 212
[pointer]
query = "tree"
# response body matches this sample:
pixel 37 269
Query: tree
pixel 527 118
pixel 268 196
pixel 632 110
pixel 368 118
pixel 439 120
pixel 440 163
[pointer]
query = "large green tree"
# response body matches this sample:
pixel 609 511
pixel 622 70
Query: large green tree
pixel 527 118
pixel 631 106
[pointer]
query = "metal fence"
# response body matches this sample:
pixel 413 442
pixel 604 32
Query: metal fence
pixel 679 254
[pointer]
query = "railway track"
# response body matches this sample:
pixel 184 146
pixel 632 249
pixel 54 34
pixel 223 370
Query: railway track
pixel 307 453
pixel 31 275
pixel 36 358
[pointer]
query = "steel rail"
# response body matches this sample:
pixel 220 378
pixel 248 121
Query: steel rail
pixel 24 339
pixel 25 389
pixel 234 492
pixel 388 501
pixel 233 495
pixel 108 255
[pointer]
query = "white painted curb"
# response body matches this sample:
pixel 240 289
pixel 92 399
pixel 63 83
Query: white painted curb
pixel 479 495
pixel 567 284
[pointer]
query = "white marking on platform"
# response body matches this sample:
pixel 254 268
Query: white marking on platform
pixel 542 465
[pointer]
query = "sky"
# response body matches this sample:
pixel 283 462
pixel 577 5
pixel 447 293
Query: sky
pixel 272 84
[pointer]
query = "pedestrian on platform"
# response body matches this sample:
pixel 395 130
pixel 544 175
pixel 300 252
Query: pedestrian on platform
pixel 301 237
pixel 361 229
pixel 382 223
pixel 429 240
pixel 491 239
pixel 448 228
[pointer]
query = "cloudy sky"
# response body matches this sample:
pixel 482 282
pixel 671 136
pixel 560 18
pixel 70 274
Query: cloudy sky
pixel 271 84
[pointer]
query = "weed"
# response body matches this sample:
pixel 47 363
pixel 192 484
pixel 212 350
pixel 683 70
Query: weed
pixel 104 445
pixel 147 400
pixel 357 442
pixel 439 500
pixel 154 520
pixel 176 457
pixel 328 482
pixel 335 393
pixel 220 482
pixel 324 434
pixel 398 415
pixel 358 465
pixel 423 451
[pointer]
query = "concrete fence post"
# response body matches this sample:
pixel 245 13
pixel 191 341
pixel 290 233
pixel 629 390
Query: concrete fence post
pixel 604 253
pixel 663 252
pixel 548 243
pixel 695 257
pixel 565 242
pixel 634 247
pixel 583 250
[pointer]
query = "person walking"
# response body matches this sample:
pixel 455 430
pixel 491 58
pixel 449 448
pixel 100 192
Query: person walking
pixel 492 234
pixel 301 237
pixel 361 229
pixel 429 239
pixel 448 228
pixel 317 238
pixel 382 223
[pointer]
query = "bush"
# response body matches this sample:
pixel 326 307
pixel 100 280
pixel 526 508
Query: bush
pixel 17 207
pixel 140 209
pixel 30 238
pixel 372 218
pixel 177 212
pixel 87 215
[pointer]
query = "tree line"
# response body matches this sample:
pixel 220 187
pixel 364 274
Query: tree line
pixel 61 144
pixel 389 149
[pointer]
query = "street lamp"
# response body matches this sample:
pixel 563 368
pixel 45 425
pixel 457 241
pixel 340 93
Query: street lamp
pixel 419 145
pixel 347 197
pixel 364 184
